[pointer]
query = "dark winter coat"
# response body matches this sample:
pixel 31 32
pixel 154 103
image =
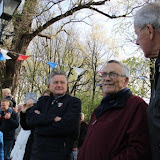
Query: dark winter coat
pixel 117 130
pixel 54 140
pixel 153 113
pixel 24 125
pixel 83 131
pixel 8 126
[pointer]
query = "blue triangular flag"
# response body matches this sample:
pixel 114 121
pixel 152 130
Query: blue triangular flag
pixel 1 57
pixel 52 65
pixel 143 78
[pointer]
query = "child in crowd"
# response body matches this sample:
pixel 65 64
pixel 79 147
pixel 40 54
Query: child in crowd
pixel 6 94
pixel 9 121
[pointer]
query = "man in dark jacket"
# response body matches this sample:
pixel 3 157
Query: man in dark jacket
pixel 56 121
pixel 9 121
pixel 147 28
pixel 28 149
pixel 118 127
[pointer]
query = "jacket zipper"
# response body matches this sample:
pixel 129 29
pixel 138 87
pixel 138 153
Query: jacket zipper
pixel 94 122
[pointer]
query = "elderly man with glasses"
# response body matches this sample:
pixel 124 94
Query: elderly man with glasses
pixel 118 126
pixel 147 28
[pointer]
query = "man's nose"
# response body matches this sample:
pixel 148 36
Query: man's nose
pixel 59 84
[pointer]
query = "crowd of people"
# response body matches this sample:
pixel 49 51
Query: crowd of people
pixel 122 127
pixel 49 128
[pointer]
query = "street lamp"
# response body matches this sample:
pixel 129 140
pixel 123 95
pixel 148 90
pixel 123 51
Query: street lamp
pixel 7 9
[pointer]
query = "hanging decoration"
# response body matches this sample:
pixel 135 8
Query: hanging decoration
pixel 100 73
pixel 1 57
pixel 4 53
pixel 52 65
pixel 22 57
pixel 78 70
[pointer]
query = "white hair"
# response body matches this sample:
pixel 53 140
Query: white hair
pixel 6 90
pixel 125 69
pixel 149 14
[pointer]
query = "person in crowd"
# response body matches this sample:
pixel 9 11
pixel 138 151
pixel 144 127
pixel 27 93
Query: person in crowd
pixel 83 131
pixel 1 146
pixel 6 94
pixel 78 143
pixel 118 127
pixel 147 28
pixel 46 92
pixel 9 121
pixel 23 145
pixel 28 149
pixel 56 121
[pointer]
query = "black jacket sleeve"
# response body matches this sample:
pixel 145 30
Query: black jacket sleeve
pixel 35 120
pixel 68 124
pixel 23 122
pixel 13 121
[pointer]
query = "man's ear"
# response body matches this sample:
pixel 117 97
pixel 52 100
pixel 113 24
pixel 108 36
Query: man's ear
pixel 126 81
pixel 67 85
pixel 150 31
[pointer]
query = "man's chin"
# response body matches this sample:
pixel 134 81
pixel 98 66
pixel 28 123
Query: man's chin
pixel 59 94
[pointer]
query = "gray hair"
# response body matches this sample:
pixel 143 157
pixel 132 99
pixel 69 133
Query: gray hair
pixel 54 73
pixel 125 69
pixel 149 14
pixel 6 89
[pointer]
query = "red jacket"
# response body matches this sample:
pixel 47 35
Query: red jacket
pixel 118 134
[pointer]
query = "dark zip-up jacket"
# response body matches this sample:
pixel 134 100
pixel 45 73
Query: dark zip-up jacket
pixel 153 113
pixel 54 140
pixel 8 126
pixel 28 149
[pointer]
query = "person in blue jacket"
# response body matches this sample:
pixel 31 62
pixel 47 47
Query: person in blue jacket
pixel 1 146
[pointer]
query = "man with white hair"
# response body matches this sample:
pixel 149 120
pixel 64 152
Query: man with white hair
pixel 118 127
pixel 147 28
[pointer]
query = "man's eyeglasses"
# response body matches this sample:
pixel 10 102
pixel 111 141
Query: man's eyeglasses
pixel 112 75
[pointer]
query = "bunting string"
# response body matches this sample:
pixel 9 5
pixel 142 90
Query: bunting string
pixel 21 57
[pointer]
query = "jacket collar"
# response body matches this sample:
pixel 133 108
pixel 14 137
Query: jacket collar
pixel 157 63
pixel 117 100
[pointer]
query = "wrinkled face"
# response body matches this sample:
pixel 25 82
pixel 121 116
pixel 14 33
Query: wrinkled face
pixel 5 105
pixel 5 93
pixel 145 39
pixel 58 85
pixel 114 85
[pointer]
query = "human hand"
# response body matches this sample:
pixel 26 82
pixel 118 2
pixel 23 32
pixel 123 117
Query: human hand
pixel 56 119
pixel 37 111
pixel 27 105
pixel 15 109
pixel 7 116
pixel 24 108
pixel 19 107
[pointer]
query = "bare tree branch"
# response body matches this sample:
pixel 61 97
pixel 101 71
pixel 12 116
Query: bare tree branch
pixel 66 14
